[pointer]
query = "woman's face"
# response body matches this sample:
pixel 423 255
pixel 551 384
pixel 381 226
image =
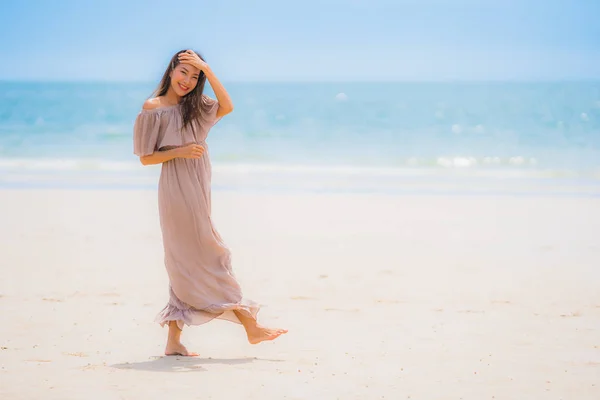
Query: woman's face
pixel 184 79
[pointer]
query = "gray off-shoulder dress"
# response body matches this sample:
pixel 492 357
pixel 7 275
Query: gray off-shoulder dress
pixel 202 285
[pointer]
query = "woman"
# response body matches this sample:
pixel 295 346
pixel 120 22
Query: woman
pixel 171 129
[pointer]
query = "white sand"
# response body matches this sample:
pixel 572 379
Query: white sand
pixel 385 297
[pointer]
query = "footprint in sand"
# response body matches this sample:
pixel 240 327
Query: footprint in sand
pixel 52 300
pixel 93 366
pixel 78 354
pixel 571 315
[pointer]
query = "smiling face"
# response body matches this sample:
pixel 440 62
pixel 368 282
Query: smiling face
pixel 184 79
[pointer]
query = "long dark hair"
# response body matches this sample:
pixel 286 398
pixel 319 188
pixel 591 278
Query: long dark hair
pixel 191 103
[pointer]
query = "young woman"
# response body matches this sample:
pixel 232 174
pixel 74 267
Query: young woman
pixel 171 129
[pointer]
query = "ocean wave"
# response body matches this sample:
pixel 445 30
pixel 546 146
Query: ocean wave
pixel 507 167
pixel 299 178
pixel 60 164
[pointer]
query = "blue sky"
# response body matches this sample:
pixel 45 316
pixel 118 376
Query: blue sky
pixel 309 40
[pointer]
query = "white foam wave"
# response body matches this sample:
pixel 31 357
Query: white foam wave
pixel 412 166
pixel 50 164
pixel 307 169
pixel 321 178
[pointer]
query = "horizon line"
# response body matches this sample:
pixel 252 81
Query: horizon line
pixel 324 81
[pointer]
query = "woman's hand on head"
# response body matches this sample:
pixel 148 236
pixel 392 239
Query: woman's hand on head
pixel 191 151
pixel 189 57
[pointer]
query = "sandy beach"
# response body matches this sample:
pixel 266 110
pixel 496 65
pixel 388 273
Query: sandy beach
pixel 396 297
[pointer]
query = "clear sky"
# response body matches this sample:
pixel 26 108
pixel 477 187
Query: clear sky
pixel 249 40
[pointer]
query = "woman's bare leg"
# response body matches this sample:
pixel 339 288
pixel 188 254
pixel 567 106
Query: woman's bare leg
pixel 255 332
pixel 174 346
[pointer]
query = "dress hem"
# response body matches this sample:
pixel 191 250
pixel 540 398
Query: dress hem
pixel 194 317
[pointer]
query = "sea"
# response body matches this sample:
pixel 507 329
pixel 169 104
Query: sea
pixel 475 138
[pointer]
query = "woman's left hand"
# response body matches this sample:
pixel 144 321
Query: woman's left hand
pixel 189 57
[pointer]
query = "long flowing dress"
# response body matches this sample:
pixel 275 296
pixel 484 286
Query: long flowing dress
pixel 202 285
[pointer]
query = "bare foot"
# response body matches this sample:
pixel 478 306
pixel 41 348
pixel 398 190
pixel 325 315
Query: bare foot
pixel 177 349
pixel 262 334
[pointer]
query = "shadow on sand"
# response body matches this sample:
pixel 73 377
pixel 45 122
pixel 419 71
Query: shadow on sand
pixel 185 364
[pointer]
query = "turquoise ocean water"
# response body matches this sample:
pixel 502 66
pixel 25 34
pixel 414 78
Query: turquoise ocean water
pixel 365 137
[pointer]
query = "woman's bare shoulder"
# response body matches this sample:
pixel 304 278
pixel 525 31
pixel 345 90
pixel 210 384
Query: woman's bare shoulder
pixel 152 104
